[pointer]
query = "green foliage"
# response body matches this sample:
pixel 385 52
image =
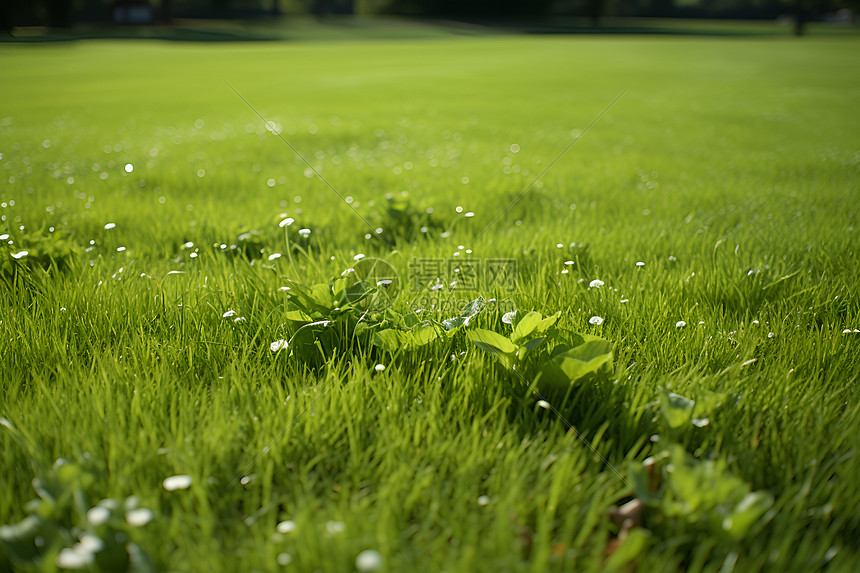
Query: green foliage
pixel 561 367
pixel 700 493
pixel 65 529
pixel 43 249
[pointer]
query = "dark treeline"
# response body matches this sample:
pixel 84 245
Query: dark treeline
pixel 63 13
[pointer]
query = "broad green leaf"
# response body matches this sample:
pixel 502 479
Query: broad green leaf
pixel 391 340
pixel 677 410
pixel 321 295
pixel 526 325
pixel 412 319
pixel 546 323
pixel 298 315
pixel 423 334
pixel 338 290
pixel 572 364
pixel 491 341
pixel 530 346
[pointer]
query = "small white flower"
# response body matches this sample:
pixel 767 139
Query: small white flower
pixel 305 232
pixel 240 319
pixel 175 272
pixel 368 560
pixel 596 283
pixel 483 500
pixel 98 515
pixel 358 257
pixel 20 254
pixel 139 517
pixel 286 526
pixel 286 222
pixel 680 324
pixel 274 256
pixel 543 404
pixel 228 314
pixel 74 558
pixel 278 345
pixel 176 482
pixel 90 543
pixel 110 226
pixel 129 167
pixel 508 317
pixel 595 320
pixel 568 263
pixel 640 263
pixel 284 559
pixel 379 367
pixel 120 249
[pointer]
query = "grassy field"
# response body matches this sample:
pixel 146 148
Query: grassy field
pixel 709 218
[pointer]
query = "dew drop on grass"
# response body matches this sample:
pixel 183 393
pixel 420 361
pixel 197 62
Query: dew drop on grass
pixel 543 404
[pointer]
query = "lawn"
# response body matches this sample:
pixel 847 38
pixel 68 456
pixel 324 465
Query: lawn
pixel 696 250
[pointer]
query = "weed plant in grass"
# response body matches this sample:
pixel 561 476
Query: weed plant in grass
pixel 705 227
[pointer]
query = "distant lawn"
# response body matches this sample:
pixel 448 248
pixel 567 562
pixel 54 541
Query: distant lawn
pixel 709 218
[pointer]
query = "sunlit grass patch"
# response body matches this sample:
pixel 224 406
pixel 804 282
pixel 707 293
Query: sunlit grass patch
pixel 282 375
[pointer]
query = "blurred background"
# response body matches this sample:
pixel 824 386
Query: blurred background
pixel 533 15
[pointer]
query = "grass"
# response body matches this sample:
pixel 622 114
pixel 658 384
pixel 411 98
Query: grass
pixel 730 169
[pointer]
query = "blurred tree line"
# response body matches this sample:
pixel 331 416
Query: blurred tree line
pixel 62 13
